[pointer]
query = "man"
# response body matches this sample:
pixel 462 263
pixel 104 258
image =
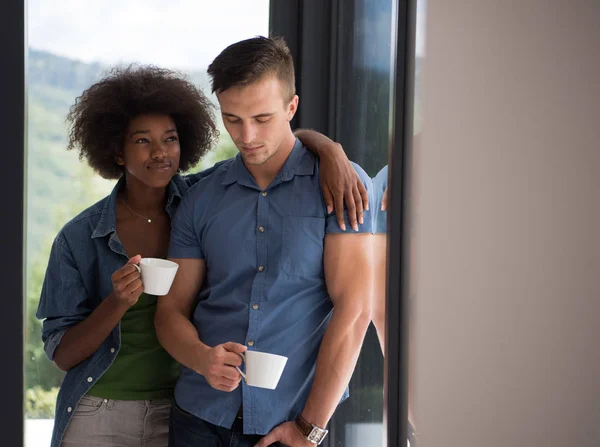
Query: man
pixel 262 266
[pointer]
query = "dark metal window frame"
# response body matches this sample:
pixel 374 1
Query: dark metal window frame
pixel 306 27
pixel 12 183
pixel 310 30
pixel 397 257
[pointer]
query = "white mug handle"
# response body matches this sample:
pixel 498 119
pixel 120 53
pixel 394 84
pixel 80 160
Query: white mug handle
pixel 239 370
pixel 137 267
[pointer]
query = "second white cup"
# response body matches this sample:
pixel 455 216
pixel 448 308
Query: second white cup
pixel 157 275
pixel 263 370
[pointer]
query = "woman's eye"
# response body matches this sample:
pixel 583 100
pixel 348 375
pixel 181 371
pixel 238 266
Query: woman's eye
pixel 171 139
pixel 141 140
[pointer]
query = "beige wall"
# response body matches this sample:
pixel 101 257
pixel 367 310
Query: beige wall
pixel 505 225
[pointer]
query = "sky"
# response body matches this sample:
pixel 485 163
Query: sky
pixel 178 34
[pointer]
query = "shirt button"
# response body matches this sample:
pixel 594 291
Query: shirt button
pixel 112 350
pixel 255 306
pixel 264 193
pixel 261 268
pixel 250 343
pixel 90 379
pixel 69 410
pixel 261 229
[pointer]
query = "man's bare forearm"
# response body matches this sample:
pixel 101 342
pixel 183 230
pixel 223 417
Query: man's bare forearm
pixel 336 361
pixel 179 337
pixel 317 143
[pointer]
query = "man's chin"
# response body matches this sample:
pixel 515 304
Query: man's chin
pixel 253 159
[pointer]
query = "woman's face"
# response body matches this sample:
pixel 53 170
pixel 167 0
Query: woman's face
pixel 151 150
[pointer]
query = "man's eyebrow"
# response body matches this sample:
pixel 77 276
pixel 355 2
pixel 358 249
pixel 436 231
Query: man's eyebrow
pixel 260 115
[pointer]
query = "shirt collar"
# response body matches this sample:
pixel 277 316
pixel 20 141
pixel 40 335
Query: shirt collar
pixel 299 162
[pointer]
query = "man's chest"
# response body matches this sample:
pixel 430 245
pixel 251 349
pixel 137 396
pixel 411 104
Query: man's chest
pixel 276 232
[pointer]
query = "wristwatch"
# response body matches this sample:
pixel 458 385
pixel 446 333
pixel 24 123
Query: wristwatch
pixel 310 431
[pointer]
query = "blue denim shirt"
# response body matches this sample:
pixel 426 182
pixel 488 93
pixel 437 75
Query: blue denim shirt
pixel 264 285
pixel 84 255
pixel 380 182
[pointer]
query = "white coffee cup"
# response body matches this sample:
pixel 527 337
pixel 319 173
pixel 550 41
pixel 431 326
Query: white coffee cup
pixel 157 275
pixel 263 370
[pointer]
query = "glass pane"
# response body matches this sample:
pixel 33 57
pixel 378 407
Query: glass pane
pixel 185 36
pixel 365 91
pixel 363 123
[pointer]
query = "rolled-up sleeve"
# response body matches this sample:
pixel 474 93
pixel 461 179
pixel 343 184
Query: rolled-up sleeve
pixel 64 300
pixel 185 243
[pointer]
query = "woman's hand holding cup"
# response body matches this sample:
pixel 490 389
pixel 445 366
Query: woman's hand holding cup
pixel 127 283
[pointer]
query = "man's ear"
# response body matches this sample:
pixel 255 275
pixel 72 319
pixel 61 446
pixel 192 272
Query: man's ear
pixel 119 159
pixel 292 107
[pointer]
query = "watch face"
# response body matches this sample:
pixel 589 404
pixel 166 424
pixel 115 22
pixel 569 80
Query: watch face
pixel 316 435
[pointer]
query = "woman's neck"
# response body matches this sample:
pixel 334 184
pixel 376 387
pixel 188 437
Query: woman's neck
pixel 142 198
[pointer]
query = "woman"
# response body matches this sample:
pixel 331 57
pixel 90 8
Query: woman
pixel 142 126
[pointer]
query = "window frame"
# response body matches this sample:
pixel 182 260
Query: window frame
pixel 397 299
pixel 310 29
pixel 12 180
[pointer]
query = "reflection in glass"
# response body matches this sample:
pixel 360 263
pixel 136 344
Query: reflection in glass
pixel 380 183
pixel 380 207
pixel 363 112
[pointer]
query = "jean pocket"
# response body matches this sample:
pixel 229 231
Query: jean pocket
pixel 162 406
pixel 187 430
pixel 90 406
pixel 302 246
pixel 175 408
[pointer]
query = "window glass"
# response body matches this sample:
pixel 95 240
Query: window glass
pixel 71 44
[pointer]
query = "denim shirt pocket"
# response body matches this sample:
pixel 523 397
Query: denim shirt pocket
pixel 302 246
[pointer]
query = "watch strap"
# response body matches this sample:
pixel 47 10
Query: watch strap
pixel 304 426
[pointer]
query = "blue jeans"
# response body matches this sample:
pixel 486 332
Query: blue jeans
pixel 187 430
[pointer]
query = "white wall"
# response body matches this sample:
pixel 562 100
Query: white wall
pixel 505 251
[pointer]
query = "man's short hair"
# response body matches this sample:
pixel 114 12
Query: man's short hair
pixel 247 61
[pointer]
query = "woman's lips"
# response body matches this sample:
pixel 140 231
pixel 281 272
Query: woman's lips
pixel 160 167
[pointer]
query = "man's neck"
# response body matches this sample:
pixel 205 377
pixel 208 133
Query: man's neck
pixel 265 173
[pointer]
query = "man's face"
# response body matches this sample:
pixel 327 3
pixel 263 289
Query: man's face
pixel 257 117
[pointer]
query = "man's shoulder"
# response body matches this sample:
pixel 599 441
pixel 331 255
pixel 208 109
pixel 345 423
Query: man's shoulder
pixel 191 179
pixel 213 181
pixel 380 181
pixel 362 174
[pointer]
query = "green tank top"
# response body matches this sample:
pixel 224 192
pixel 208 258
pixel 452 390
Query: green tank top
pixel 142 370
